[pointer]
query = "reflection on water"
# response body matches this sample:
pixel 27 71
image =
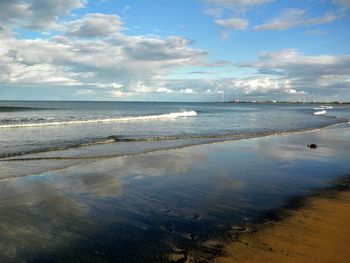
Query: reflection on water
pixel 35 215
pixel 145 207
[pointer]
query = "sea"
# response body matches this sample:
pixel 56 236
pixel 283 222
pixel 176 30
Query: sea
pixel 157 182
pixel 28 127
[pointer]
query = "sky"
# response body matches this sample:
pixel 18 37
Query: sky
pixel 167 50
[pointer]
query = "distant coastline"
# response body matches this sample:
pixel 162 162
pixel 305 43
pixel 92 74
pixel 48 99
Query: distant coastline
pixel 289 102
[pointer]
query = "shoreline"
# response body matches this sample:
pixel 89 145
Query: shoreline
pixel 171 205
pixel 82 159
pixel 309 228
pixel 209 141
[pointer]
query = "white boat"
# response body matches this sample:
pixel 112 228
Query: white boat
pixel 318 108
pixel 326 107
pixel 319 112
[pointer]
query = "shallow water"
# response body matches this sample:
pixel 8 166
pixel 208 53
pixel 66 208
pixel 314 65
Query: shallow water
pixel 42 127
pixel 144 207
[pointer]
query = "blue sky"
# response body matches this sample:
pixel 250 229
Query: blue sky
pixel 175 50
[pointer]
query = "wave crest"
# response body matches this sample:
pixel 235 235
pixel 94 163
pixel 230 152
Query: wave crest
pixel 172 115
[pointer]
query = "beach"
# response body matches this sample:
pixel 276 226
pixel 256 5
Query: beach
pixel 169 199
pixel 200 131
pixel 165 205
pixel 317 232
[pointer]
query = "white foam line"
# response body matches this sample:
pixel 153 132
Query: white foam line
pixel 172 115
pixel 320 112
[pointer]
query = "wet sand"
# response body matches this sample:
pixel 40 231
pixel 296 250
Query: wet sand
pixel 318 232
pixel 161 206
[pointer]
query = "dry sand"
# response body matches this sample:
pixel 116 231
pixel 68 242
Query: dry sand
pixel 318 232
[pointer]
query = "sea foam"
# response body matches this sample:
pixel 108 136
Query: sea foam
pixel 172 115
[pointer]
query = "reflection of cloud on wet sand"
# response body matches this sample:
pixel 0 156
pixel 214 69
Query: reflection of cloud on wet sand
pixel 44 212
pixel 32 215
pixel 96 185
pixel 162 163
pixel 11 169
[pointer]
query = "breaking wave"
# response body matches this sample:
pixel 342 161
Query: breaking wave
pixel 172 115
pixel 191 139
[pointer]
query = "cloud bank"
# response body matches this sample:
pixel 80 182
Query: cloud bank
pixel 94 56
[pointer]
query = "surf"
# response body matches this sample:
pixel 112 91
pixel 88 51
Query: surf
pixel 320 112
pixel 172 115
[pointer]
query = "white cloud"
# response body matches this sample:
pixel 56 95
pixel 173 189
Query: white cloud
pixel 263 85
pixel 293 17
pixel 293 91
pixel 36 14
pixel 233 23
pixel 187 91
pixel 164 90
pixel 292 63
pixel 228 13
pixel 93 25
pixel 113 85
pixel 304 72
pixel 251 86
pixel 133 61
pixel 13 72
pixel 100 59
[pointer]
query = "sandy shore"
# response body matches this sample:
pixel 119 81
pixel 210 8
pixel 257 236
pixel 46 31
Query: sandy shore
pixel 318 232
pixel 180 204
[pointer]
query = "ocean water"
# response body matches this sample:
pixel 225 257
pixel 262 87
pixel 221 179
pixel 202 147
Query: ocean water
pixel 46 127
pixel 75 185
